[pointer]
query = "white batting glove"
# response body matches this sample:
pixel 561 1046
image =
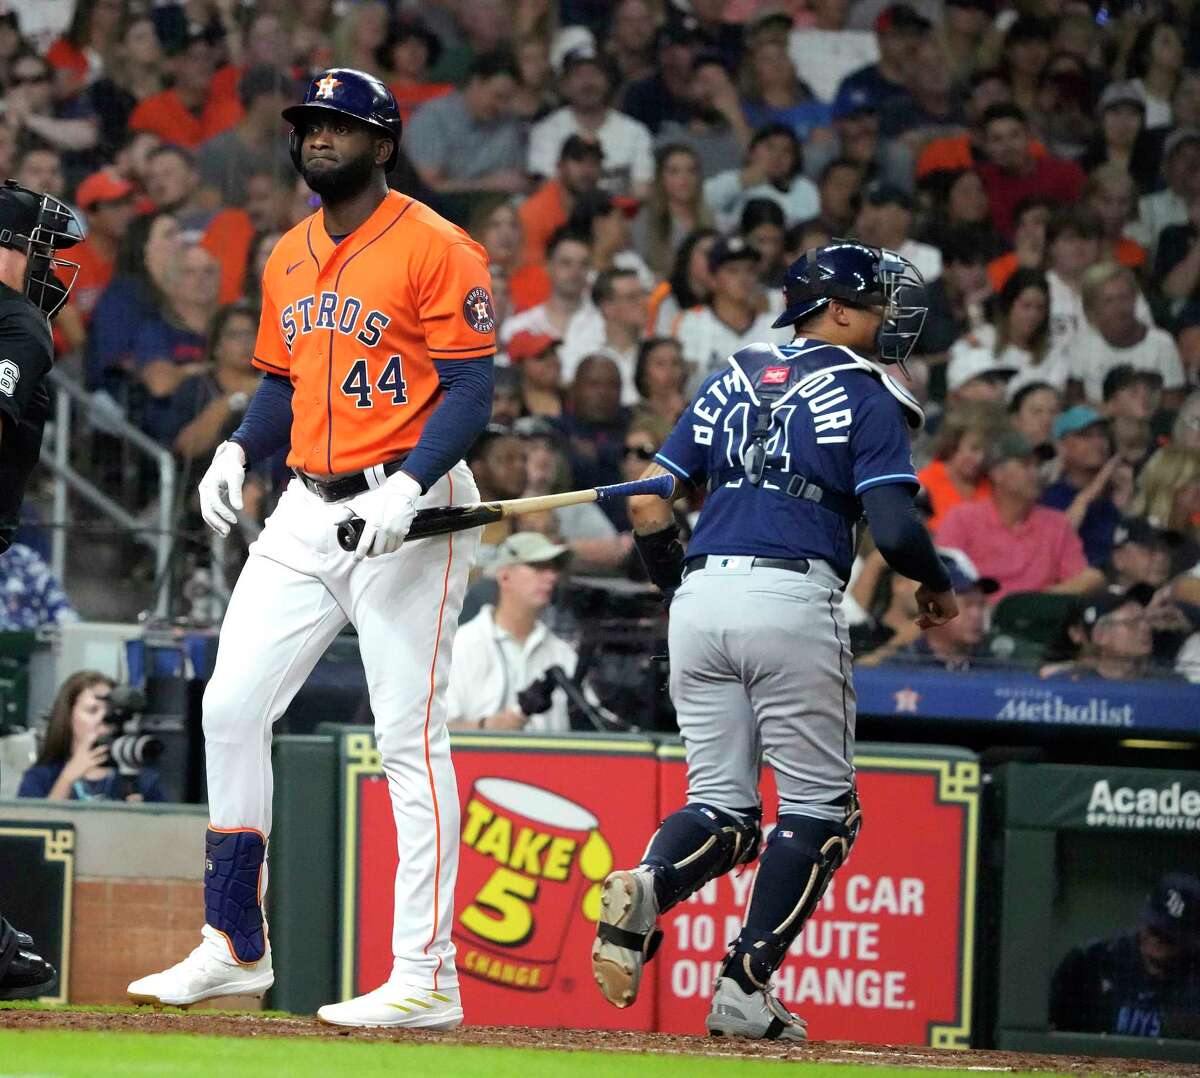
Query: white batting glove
pixel 221 487
pixel 388 515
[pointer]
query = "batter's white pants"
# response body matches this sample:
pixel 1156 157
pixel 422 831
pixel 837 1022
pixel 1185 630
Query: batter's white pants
pixel 296 592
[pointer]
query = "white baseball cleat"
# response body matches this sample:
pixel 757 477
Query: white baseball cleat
pixel 208 972
pixel 398 1006
pixel 627 934
pixel 758 1015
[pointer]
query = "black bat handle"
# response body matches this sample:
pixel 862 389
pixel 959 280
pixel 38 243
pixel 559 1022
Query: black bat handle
pixel 349 532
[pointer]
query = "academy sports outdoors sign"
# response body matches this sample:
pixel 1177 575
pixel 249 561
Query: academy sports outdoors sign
pixel 886 958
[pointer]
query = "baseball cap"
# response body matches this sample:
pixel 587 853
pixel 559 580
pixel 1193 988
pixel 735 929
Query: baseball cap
pixel 581 55
pixel 1076 419
pixel 852 101
pixel 528 548
pixel 1179 137
pixel 900 17
pixel 1100 605
pixel 1006 446
pixel 1124 375
pixel 1172 908
pixel 733 249
pixel 526 345
pixel 977 363
pixel 1122 93
pixel 102 186
pixel 1139 530
pixel 576 148
pixel 680 31
pixel 962 579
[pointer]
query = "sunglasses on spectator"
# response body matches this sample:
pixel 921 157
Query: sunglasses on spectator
pixel 639 451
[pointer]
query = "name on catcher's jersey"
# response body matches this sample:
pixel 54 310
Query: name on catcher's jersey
pixel 358 326
pixel 836 419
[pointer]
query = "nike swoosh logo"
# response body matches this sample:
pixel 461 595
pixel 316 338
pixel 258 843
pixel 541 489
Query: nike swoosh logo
pixel 294 265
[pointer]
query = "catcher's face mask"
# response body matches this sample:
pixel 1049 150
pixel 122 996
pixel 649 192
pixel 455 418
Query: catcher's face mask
pixel 904 307
pixel 39 226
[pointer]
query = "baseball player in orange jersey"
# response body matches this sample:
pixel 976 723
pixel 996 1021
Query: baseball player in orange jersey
pixel 376 343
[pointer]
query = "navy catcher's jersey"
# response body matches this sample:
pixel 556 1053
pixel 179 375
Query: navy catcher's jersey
pixel 837 419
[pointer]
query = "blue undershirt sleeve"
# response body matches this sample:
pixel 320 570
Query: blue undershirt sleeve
pixel 267 424
pixel 462 413
pixel 901 535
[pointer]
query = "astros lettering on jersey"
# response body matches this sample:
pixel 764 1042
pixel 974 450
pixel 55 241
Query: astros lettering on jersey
pixel 357 325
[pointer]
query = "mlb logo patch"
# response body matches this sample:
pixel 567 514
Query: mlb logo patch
pixel 775 376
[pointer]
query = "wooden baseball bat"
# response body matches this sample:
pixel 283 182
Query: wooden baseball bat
pixel 456 518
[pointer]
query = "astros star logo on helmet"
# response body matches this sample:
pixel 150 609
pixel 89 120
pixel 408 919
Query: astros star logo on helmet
pixel 326 86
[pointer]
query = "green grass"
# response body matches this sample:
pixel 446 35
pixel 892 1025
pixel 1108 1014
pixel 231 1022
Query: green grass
pixel 66 1054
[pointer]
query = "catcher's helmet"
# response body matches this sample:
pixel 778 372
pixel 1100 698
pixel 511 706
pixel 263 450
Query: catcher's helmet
pixel 865 277
pixel 38 225
pixel 352 93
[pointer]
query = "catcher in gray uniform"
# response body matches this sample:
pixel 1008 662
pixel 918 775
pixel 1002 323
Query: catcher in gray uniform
pixel 795 443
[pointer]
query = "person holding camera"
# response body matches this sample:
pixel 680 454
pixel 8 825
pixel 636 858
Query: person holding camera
pixel 502 655
pixel 74 763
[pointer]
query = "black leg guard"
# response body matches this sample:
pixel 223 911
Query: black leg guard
pixel 697 844
pixel 800 859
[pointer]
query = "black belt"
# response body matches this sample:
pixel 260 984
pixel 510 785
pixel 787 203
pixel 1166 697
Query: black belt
pixel 792 565
pixel 347 486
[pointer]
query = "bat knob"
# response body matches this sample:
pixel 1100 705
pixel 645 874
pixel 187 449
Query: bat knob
pixel 349 532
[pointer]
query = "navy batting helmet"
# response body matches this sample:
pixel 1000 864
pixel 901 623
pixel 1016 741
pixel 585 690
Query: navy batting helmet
pixel 352 93
pixel 863 277
pixel 38 225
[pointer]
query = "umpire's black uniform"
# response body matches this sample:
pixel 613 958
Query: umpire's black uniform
pixel 34 284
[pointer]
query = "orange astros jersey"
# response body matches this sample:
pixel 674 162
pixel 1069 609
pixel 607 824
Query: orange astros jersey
pixel 357 326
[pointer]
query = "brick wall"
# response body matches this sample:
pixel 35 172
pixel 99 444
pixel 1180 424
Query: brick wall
pixel 123 929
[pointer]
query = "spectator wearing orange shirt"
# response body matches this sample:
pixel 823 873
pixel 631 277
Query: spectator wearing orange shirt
pixel 965 150
pixel 189 112
pixel 956 473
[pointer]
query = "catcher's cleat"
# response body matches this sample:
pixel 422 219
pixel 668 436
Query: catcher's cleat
pixel 398 1006
pixel 207 973
pixel 24 974
pixel 627 934
pixel 758 1015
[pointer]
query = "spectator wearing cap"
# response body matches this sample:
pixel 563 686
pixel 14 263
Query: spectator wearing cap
pixel 613 326
pixel 899 31
pixel 733 318
pixel 406 56
pixel 1145 983
pixel 476 117
pixel 1108 635
pixel 827 51
pixel 580 167
pixel 568 261
pixel 719 34
pixel 775 94
pixel 774 171
pixel 716 129
pixel 1009 537
pixel 1094 485
pixel 506 648
pixel 1122 138
pixel 1012 172
pixel 957 296
pixel 1115 334
pixel 858 139
pixel 587 85
pixel 107 201
pixel 1132 398
pixel 959 644
pixel 666 95
pixel 225 161
pixel 536 356
pixel 1112 196
pixel 956 474
pixel 189 112
pixel 886 220
pixel 1154 65
pixel 675 209
pixel 1033 406
pixel 1141 555
pixel 1181 173
pixel 1016 342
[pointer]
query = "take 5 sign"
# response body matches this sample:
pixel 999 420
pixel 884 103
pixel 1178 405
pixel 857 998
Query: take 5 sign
pixel 886 958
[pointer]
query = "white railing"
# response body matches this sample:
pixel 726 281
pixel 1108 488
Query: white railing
pixel 67 393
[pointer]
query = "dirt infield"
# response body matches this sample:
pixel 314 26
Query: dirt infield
pixel 252 1025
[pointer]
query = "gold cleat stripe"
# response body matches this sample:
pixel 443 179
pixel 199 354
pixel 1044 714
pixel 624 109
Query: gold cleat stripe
pixel 440 998
pixel 400 1007
pixel 418 1002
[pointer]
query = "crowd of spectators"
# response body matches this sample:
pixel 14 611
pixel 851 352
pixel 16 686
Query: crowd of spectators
pixel 641 173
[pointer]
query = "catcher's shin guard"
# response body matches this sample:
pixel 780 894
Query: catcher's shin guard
pixel 233 868
pixel 796 866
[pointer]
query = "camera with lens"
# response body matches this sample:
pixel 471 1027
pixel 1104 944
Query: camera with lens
pixel 130 748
